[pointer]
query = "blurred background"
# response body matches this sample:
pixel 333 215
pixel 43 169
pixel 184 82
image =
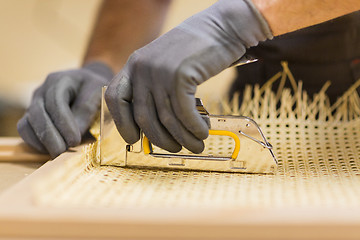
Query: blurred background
pixel 43 36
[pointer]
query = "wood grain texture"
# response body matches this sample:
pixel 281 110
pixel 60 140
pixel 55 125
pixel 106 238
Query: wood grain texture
pixel 20 216
pixel 13 149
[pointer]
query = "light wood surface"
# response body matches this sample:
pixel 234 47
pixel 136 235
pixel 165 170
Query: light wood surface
pixel 13 149
pixel 17 160
pixel 20 216
pixel 13 172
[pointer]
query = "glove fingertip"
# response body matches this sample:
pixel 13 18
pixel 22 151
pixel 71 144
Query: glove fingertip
pixel 73 140
pixel 56 145
pixel 131 134
pixel 173 148
pixel 197 147
pixel 202 132
pixel 198 150
pixel 27 134
pixel 56 152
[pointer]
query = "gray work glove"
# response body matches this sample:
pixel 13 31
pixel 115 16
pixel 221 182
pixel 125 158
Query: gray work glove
pixel 155 90
pixel 63 107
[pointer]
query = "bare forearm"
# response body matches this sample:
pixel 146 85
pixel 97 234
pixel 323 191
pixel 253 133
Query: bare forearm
pixel 124 26
pixel 286 16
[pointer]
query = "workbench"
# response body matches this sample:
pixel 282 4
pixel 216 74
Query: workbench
pixel 15 166
pixel 12 173
pixel 26 215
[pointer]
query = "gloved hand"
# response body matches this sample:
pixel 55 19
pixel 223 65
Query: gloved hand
pixel 63 107
pixel 155 90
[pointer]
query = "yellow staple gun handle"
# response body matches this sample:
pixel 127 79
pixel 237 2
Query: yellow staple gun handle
pixel 148 149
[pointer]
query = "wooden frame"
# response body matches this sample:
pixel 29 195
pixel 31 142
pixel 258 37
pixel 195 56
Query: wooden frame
pixel 20 217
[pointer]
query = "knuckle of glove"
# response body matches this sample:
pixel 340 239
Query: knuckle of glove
pixel 136 59
pixel 141 61
pixel 52 78
pixel 111 96
pixel 94 78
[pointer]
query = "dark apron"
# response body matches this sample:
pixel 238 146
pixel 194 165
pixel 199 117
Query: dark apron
pixel 327 51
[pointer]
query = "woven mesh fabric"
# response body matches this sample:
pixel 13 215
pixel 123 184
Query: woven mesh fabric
pixel 317 146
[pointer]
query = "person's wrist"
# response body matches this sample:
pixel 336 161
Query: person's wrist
pixel 100 68
pixel 244 21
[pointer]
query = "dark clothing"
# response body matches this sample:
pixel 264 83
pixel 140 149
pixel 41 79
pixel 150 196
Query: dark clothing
pixel 327 51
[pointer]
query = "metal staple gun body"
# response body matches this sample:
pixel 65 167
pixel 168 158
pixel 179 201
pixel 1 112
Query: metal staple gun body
pixel 235 144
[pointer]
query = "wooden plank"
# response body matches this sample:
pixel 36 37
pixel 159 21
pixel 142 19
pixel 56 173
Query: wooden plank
pixel 20 216
pixel 13 149
pixel 13 172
